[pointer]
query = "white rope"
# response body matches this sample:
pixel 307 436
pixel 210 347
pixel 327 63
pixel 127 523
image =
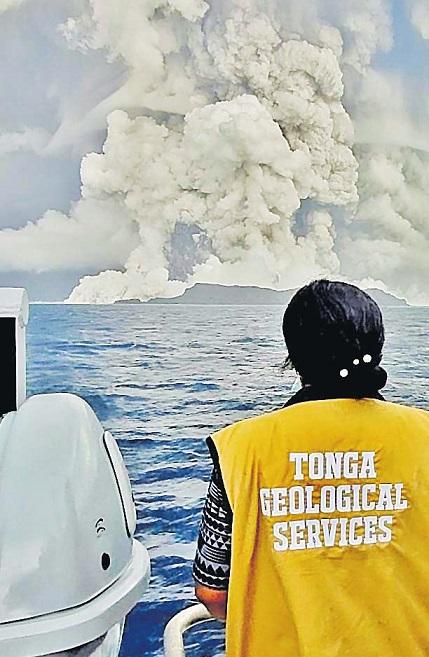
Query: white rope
pixel 175 628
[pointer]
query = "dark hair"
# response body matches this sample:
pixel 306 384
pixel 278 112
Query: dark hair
pixel 334 335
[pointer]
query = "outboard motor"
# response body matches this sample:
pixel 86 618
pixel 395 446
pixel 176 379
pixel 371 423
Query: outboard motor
pixel 70 570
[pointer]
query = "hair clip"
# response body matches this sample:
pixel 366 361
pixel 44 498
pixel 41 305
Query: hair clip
pixel 367 358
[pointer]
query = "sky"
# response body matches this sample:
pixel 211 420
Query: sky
pixel 148 146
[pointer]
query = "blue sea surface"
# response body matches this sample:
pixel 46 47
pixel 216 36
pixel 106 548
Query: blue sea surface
pixel 161 379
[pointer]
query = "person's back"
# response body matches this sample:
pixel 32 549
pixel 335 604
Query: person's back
pixel 316 535
pixel 330 531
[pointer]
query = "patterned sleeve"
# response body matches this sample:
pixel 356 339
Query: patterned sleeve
pixel 213 557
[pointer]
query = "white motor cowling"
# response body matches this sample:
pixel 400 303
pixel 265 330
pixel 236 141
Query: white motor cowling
pixel 70 569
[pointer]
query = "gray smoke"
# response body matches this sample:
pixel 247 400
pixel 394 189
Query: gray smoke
pixel 231 126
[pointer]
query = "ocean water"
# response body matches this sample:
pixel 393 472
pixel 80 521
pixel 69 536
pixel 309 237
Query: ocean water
pixel 162 378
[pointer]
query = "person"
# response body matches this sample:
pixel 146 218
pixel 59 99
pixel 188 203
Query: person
pixel 313 540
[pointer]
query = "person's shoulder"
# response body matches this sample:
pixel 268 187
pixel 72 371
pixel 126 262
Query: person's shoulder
pixel 396 408
pixel 384 411
pixel 370 406
pixel 308 410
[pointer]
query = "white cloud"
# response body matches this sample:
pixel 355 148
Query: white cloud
pixel 96 235
pixel 390 240
pixel 419 14
pixel 29 139
pixel 5 5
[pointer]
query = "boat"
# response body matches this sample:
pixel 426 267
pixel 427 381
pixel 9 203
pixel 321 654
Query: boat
pixel 70 567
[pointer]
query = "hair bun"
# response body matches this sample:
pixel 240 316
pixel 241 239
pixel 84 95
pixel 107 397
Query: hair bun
pixel 364 380
pixel 380 377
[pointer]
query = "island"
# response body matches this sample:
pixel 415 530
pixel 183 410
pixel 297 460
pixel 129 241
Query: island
pixel 236 295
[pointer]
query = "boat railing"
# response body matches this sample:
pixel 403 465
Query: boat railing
pixel 177 626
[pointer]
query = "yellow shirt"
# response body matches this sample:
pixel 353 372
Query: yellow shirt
pixel 330 543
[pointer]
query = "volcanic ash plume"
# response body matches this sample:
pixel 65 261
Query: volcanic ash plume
pixel 267 131
pixel 230 157
pixel 391 228
pixel 420 17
